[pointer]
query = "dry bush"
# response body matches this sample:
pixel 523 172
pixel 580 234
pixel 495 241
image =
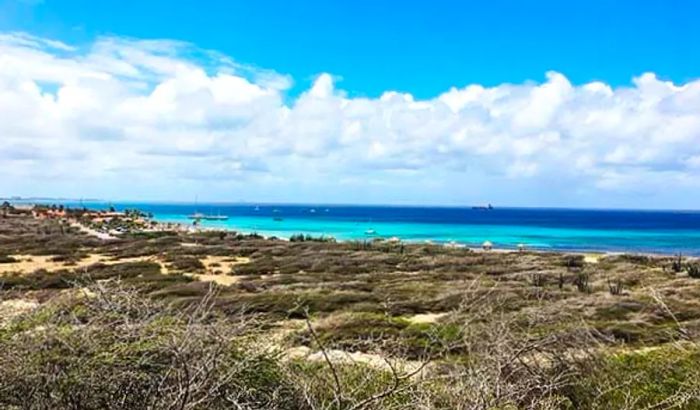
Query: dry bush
pixel 507 362
pixel 113 348
pixel 693 270
pixel 108 346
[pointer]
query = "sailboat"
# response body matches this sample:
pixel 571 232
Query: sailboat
pixel 217 217
pixel 196 215
pixel 211 217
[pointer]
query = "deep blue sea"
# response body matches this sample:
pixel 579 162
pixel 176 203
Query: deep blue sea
pixel 540 228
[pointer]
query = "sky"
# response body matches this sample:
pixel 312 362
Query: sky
pixel 517 103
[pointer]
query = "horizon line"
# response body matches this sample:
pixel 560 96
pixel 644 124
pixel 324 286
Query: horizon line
pixel 317 204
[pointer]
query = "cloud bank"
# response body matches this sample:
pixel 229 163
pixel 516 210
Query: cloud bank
pixel 163 119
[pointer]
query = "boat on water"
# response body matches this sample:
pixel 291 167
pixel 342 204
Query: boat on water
pixel 483 208
pixel 370 232
pixel 201 216
pixel 215 218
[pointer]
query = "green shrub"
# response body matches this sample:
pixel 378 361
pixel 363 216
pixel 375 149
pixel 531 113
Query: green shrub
pixel 117 350
pixel 309 238
pixel 7 259
pixel 693 270
pixel 186 264
pixel 574 262
pixel 667 377
pixel 581 282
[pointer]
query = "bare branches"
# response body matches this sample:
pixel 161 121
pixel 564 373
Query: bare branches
pixel 338 392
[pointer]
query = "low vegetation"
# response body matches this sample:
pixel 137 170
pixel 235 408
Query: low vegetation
pixel 142 322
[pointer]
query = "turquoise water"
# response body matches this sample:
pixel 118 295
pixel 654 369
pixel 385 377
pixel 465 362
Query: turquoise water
pixel 474 235
pixel 503 236
pixel 556 229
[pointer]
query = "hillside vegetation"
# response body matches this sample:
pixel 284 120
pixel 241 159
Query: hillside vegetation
pixel 166 320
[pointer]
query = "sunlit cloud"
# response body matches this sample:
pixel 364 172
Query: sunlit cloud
pixel 167 109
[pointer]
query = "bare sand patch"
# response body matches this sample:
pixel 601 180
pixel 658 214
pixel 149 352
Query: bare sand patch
pixel 15 307
pixel 218 269
pixel 225 280
pixel 222 264
pixel 592 258
pixel 92 232
pixel 422 318
pixel 30 263
pixel 344 357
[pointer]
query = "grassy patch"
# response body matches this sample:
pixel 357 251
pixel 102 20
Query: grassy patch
pixel 667 377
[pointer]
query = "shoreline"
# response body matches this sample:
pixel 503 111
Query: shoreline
pixel 164 222
pixel 183 227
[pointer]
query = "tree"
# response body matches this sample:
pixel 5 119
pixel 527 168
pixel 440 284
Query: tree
pixel 6 208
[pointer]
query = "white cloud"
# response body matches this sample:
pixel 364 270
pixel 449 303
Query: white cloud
pixel 126 108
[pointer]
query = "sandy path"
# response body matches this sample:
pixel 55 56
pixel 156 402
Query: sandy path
pixel 218 268
pixel 422 318
pixel 100 235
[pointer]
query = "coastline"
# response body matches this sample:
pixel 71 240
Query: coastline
pixel 596 254
pixel 578 232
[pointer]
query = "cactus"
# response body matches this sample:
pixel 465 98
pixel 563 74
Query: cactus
pixel 538 280
pixel 581 282
pixel 677 265
pixel 615 287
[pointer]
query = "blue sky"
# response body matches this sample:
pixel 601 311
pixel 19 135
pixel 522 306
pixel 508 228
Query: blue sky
pixel 526 103
pixel 418 46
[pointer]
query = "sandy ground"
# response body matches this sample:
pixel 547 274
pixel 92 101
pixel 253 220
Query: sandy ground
pixel 342 356
pixel 92 232
pixel 15 307
pixel 592 258
pixel 218 267
pixel 425 318
pixel 30 263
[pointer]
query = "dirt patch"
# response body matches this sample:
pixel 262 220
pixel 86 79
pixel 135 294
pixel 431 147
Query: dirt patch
pixel 344 357
pixel 216 265
pixel 89 231
pixel 425 318
pixel 31 263
pixel 15 307
pixel 218 269
pixel 225 280
pixel 592 258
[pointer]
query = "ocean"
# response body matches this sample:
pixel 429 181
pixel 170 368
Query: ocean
pixel 631 231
